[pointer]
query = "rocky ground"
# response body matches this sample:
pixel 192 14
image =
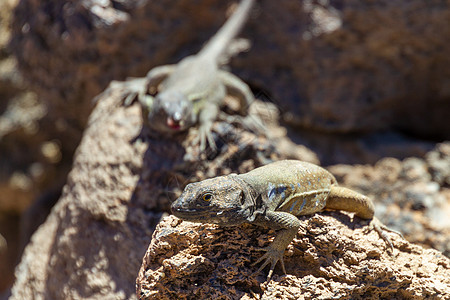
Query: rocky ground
pixel 332 257
pixel 123 180
pixel 360 88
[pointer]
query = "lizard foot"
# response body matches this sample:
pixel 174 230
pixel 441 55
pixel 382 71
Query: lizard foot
pixel 272 256
pixel 205 135
pixel 381 229
pixel 135 88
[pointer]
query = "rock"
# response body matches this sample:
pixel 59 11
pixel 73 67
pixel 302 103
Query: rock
pixel 411 196
pixel 9 244
pixel 335 148
pixel 347 66
pixel 92 243
pixel 439 163
pixel 332 257
pixel 367 58
pixel 26 171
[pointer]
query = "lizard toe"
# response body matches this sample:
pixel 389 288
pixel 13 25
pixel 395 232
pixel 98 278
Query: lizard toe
pixel 135 88
pixel 272 256
pixel 205 135
pixel 381 229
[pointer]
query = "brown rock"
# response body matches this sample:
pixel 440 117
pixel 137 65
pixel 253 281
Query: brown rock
pixel 25 172
pixel 412 195
pixel 439 163
pixel 92 243
pixel 347 66
pixel 332 257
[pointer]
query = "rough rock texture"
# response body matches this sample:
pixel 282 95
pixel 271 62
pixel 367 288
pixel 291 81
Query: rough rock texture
pixel 337 66
pixel 92 244
pixel 331 258
pixel 412 196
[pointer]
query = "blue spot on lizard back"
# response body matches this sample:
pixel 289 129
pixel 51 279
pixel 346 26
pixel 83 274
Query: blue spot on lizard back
pixel 281 190
pixel 303 204
pixel 271 192
pixel 292 207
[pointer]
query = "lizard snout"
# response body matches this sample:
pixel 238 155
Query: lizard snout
pixel 179 207
pixel 176 207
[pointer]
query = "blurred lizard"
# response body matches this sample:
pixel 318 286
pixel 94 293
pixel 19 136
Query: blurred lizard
pixel 191 91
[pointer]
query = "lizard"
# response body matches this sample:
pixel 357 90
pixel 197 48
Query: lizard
pixel 273 196
pixel 191 91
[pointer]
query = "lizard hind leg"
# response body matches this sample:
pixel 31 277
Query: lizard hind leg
pixel 341 198
pixel 237 88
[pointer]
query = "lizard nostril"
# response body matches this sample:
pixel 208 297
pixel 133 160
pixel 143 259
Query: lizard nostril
pixel 175 207
pixel 177 117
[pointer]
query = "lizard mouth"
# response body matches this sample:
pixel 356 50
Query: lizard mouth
pixel 221 217
pixel 173 124
pixel 190 215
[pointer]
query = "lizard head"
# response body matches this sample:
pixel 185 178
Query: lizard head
pixel 171 111
pixel 219 200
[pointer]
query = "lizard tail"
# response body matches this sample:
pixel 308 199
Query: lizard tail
pixel 219 42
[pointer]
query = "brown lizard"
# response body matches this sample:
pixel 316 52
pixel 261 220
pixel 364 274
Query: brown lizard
pixel 272 196
pixel 191 91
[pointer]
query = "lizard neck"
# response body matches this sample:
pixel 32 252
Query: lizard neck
pixel 253 202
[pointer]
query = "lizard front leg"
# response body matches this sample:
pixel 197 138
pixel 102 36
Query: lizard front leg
pixel 288 225
pixel 139 86
pixel 207 116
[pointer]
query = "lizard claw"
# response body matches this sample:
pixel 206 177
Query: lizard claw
pixel 205 135
pixel 272 256
pixel 136 88
pixel 381 229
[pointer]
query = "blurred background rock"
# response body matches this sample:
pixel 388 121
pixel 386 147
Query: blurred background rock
pixel 355 81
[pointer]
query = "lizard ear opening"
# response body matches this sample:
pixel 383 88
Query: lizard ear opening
pixel 242 197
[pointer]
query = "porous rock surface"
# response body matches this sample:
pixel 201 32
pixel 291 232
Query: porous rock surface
pixel 336 66
pixel 332 257
pixel 92 243
pixel 412 195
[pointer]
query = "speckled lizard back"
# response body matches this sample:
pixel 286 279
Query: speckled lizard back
pixel 296 187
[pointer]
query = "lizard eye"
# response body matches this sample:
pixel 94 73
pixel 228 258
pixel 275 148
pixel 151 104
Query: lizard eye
pixel 207 197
